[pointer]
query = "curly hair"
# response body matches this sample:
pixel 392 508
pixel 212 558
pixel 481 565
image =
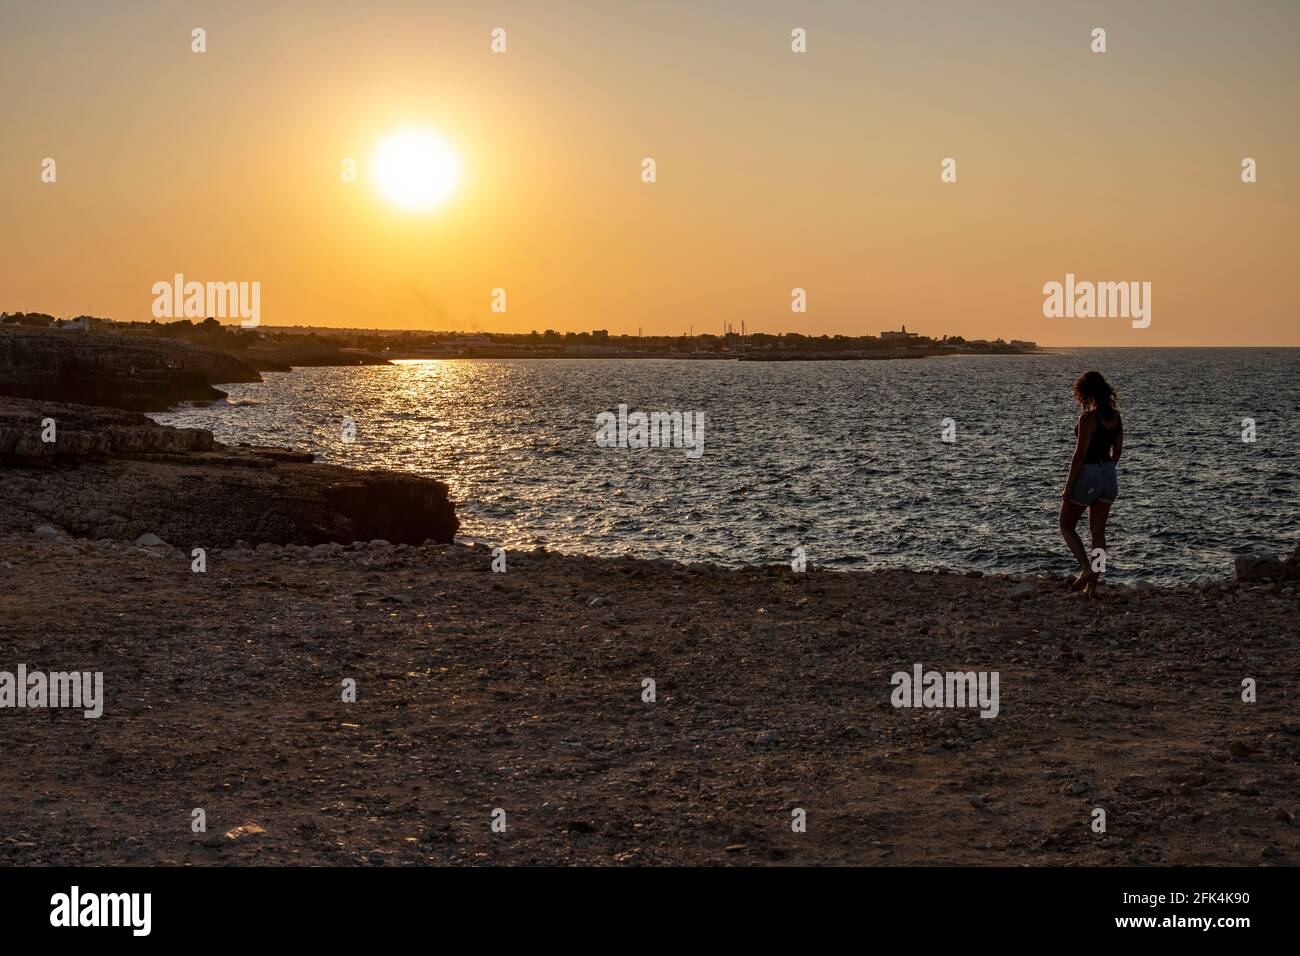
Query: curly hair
pixel 1093 393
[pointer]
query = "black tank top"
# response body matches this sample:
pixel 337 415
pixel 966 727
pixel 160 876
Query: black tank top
pixel 1102 439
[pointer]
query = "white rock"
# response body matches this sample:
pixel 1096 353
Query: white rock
pixel 45 531
pixel 150 541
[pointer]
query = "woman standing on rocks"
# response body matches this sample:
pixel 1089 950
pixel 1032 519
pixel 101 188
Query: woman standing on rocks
pixel 1092 484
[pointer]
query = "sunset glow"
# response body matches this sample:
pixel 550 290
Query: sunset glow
pixel 521 170
pixel 415 170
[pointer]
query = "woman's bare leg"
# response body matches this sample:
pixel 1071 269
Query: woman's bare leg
pixel 1070 514
pixel 1098 512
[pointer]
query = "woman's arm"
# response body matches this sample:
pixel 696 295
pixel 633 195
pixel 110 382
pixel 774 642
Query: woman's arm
pixel 1118 447
pixel 1080 451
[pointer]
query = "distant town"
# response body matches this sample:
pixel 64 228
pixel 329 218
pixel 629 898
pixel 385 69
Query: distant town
pixel 377 345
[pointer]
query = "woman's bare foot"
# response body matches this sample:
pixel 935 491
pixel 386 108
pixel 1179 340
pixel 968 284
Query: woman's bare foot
pixel 1079 583
pixel 1090 589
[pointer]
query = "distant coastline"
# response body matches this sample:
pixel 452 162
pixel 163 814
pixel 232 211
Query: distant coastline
pixel 847 356
pixel 268 348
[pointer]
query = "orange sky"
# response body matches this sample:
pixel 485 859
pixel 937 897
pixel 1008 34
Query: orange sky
pixel 775 170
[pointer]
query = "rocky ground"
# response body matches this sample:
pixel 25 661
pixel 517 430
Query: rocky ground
pixel 524 691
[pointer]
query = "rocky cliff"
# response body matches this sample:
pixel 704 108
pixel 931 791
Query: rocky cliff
pixel 36 433
pixel 115 370
pixel 118 475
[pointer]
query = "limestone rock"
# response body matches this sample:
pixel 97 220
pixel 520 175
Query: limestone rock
pixel 83 431
pixel 1249 568
pixel 119 475
pixel 117 370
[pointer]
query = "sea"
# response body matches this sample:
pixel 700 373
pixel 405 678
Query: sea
pixel 952 462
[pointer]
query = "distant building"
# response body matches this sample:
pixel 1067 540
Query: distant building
pixel 904 334
pixel 81 323
pixel 1023 345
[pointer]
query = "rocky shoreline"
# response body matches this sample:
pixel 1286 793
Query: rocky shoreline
pixel 118 475
pixel 77 457
pixel 136 373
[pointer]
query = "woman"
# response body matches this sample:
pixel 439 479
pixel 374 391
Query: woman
pixel 1092 483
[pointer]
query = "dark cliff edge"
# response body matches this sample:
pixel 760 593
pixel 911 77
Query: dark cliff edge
pixel 116 371
pixel 77 456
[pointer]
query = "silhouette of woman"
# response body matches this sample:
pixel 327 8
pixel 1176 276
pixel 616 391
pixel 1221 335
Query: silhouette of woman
pixel 1092 484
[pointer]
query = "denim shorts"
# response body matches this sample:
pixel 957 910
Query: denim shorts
pixel 1097 482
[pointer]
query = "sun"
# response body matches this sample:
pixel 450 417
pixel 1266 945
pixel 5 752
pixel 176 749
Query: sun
pixel 415 169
